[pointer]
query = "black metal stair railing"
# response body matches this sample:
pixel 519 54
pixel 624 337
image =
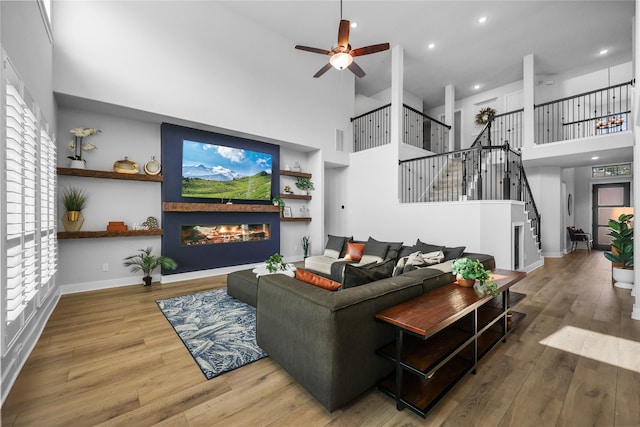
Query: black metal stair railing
pixel 481 172
pixel 373 129
pixel 598 112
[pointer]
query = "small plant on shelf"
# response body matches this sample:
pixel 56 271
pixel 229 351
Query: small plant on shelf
pixel 74 201
pixel 303 183
pixel 275 262
pixel 277 201
pixel 146 262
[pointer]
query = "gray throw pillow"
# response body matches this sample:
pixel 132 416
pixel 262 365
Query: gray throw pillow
pixel 453 253
pixel 425 248
pixel 334 246
pixel 355 276
pixel 392 250
pixel 375 248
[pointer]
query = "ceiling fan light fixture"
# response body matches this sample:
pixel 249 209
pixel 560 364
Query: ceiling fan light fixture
pixel 341 60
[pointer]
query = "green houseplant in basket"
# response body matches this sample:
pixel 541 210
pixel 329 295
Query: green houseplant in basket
pixel 621 253
pixel 146 262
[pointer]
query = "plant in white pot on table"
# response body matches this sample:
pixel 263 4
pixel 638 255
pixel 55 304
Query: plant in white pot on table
pixel 621 253
pixel 78 144
pixel 146 262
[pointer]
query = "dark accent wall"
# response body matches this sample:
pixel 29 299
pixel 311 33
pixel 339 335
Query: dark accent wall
pixel 195 258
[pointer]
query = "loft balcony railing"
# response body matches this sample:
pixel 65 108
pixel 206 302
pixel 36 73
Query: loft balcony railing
pixel 373 129
pixel 598 112
pixel 482 172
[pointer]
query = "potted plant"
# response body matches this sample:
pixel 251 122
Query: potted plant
pixel 467 271
pixel 305 245
pixel 74 201
pixel 277 201
pixel 305 184
pixel 621 253
pixel 275 262
pixel 77 145
pixel 146 262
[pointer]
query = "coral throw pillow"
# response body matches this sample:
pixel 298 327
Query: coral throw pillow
pixel 316 280
pixel 354 251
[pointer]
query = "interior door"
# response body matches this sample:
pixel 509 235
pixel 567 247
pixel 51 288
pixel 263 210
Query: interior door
pixel 607 201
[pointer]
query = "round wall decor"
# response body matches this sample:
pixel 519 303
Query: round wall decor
pixel 152 167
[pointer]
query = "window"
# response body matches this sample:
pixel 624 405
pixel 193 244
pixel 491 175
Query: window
pixel 611 171
pixel 28 203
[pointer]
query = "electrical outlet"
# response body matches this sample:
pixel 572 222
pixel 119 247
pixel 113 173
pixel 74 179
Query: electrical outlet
pixel 105 267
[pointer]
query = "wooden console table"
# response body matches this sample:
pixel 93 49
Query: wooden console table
pixel 441 336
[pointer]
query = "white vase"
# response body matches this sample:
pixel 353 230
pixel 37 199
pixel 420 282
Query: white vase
pixel 623 278
pixel 77 164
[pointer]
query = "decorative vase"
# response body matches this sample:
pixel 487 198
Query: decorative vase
pixel 466 283
pixel 623 278
pixel 147 280
pixel 72 220
pixel 77 164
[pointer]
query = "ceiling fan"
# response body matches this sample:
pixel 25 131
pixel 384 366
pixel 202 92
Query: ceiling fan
pixel 342 55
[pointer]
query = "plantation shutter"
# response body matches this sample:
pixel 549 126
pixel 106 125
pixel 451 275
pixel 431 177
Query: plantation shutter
pixel 29 236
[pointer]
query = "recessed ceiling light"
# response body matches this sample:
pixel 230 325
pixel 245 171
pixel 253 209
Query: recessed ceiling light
pixel 603 52
pixel 431 45
pixel 476 87
pixel 595 158
pixel 482 19
pixel 354 24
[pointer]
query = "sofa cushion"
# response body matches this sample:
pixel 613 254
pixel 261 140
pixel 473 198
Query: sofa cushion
pixel 392 251
pixel 374 251
pixel 425 248
pixel 319 263
pixel 355 276
pixel 334 246
pixel 453 253
pixel 316 280
pixel 354 251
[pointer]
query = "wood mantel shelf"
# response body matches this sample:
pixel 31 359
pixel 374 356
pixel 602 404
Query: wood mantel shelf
pixel 295 196
pixel 105 233
pixel 90 173
pixel 216 207
pixel 295 174
pixel 296 219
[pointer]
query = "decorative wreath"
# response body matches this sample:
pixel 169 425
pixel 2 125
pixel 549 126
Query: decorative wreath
pixel 482 118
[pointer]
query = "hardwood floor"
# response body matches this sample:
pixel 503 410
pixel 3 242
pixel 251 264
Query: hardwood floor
pixel 111 358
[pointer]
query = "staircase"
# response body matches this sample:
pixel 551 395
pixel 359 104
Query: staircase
pixel 447 185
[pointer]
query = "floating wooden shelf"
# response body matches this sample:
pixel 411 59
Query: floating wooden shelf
pixel 90 173
pixel 104 233
pixel 216 207
pixel 297 219
pixel 295 174
pixel 295 196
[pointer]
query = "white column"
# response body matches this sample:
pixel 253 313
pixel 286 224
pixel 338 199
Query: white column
pixel 449 112
pixel 528 130
pixel 635 312
pixel 397 89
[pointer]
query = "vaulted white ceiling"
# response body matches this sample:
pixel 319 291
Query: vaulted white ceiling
pixel 564 36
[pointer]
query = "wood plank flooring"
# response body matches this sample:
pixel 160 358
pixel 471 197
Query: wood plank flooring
pixel 110 358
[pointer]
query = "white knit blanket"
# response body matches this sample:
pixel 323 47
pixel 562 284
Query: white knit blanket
pixel 261 270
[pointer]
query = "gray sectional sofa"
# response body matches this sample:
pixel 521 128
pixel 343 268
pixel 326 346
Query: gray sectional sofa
pixel 327 340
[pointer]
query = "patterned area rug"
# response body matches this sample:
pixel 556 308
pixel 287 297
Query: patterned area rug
pixel 219 331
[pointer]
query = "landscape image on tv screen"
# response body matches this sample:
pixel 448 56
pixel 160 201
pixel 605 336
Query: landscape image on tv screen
pixel 221 172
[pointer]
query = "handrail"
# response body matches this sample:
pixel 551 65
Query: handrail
pixel 426 116
pixel 370 112
pixel 591 92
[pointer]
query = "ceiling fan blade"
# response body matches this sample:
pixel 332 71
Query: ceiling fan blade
pixel 355 69
pixel 343 34
pixel 322 70
pixel 369 49
pixel 314 50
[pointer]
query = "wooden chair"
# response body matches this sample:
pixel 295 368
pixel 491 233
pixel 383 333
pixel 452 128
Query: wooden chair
pixel 578 236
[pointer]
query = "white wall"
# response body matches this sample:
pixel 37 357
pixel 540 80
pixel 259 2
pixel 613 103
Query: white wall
pixel 546 186
pixel 177 59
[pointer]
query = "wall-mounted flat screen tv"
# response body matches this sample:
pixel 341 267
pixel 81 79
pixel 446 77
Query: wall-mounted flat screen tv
pixel 220 172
